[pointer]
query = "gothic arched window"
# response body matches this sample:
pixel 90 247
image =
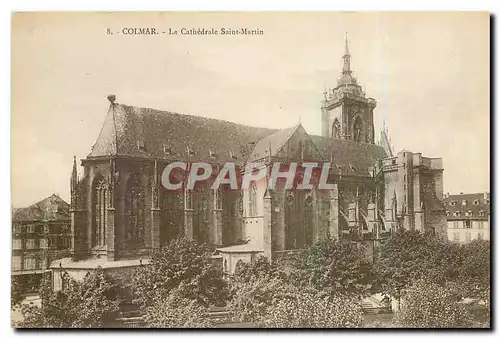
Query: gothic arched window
pixel 253 200
pixel 357 129
pixel 336 129
pixel 134 209
pixel 99 211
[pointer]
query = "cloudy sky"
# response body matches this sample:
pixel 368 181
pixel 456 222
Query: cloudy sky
pixel 429 73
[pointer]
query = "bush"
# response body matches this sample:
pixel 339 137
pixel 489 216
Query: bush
pixel 176 312
pixel 90 303
pixel 306 308
pixel 430 305
pixel 178 286
pixel 337 267
pixel 272 302
pixel 183 265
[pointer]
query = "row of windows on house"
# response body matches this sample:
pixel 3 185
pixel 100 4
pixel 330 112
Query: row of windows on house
pixel 467 213
pixel 30 263
pixel 44 243
pixel 468 236
pixel 468 224
pixel 465 202
pixel 39 228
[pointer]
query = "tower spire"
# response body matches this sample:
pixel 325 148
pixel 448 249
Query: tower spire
pixel 347 58
pixel 74 182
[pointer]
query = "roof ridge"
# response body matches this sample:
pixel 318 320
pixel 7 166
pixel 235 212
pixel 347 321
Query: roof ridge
pixel 159 111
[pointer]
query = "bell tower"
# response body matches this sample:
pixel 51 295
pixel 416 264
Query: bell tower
pixel 346 112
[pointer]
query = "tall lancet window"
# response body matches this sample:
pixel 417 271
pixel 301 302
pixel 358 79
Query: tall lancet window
pixel 357 129
pixel 134 211
pixel 100 197
pixel 217 198
pixel 336 129
pixel 252 206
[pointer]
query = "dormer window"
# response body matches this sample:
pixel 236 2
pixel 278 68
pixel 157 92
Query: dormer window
pixel 141 146
pixel 464 202
pixel 190 151
pixel 448 213
pixel 233 156
pixel 167 150
pixel 481 213
pixel 468 213
pixel 486 201
pixel 353 168
pixel 212 153
pixel 453 203
pixel 456 213
pixel 476 202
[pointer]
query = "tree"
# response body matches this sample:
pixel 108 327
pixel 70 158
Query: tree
pixel 16 295
pixel 474 269
pixel 339 267
pixel 431 305
pixel 91 303
pixel 409 256
pixel 179 272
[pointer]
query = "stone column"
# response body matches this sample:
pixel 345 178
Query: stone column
pixel 217 229
pixel 79 247
pixel 155 209
pixel 110 236
pixel 333 217
pixel 372 217
pixel 188 223
pixel 351 215
pixel 267 225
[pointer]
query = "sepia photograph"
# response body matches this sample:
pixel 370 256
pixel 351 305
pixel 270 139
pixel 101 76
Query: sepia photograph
pixel 250 170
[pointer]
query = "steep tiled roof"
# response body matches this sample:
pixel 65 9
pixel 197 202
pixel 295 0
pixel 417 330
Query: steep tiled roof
pixel 50 208
pixel 352 158
pixel 150 133
pixel 474 203
pixel 156 134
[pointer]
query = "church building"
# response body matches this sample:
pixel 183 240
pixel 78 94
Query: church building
pixel 120 212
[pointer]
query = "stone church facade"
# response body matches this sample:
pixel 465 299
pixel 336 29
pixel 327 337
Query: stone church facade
pixel 120 212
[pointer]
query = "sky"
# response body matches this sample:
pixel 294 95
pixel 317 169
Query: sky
pixel 429 73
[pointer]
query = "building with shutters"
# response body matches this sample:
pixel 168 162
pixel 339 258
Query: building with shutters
pixel 40 234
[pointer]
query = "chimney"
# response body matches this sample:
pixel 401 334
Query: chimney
pixel 485 195
pixel 111 98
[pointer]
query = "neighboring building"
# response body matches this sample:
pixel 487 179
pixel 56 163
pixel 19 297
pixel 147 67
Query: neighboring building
pixel 468 217
pixel 40 233
pixel 121 212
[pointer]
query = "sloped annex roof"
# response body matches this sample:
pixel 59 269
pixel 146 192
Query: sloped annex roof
pixel 151 133
pixel 274 142
pixel 50 208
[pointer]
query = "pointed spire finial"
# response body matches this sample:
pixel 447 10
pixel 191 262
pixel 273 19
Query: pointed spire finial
pixel 74 172
pixel 347 58
pixel 346 45
pixel 73 183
